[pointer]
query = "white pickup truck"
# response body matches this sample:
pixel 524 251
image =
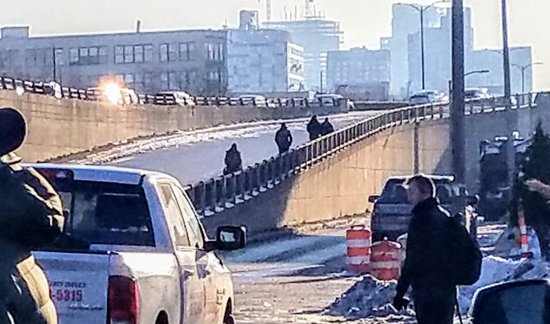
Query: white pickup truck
pixel 146 258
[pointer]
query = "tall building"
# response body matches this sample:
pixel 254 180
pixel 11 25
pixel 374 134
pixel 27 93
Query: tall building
pixel 521 72
pixel 262 60
pixel 190 60
pixel 317 36
pixel 360 68
pixel 437 53
pixel 405 21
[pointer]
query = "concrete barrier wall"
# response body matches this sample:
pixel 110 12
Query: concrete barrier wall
pixel 66 126
pixel 340 185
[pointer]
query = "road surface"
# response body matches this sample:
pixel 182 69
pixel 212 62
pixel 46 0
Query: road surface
pixel 199 155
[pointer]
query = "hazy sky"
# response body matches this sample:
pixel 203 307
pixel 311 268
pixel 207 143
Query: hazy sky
pixel 363 21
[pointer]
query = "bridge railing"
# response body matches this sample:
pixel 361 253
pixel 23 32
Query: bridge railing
pixel 217 194
pixel 167 99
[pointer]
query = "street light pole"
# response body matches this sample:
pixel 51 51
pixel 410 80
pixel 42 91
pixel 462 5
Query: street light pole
pixel 421 10
pixel 524 68
pixel 510 124
pixel 54 65
pixel 457 105
pixel 422 48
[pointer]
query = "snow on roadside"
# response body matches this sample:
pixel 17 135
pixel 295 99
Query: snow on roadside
pixel 366 298
pixel 371 297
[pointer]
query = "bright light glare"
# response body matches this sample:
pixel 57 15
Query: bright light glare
pixel 112 93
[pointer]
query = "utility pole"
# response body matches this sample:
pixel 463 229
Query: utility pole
pixel 457 93
pixel 510 118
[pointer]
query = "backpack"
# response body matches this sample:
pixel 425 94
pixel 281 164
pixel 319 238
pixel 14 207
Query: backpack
pixel 466 257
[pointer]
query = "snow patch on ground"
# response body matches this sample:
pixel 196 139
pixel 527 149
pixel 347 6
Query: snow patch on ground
pixel 366 298
pixel 371 297
pixel 496 270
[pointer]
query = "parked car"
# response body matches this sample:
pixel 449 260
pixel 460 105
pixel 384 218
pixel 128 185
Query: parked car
pixel 427 97
pixel 147 260
pixel 181 98
pixel 392 212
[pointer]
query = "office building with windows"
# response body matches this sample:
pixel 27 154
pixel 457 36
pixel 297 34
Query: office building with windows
pixel 189 60
pixel 262 60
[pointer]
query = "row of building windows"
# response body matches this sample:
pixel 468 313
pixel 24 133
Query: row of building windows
pixel 133 54
pixel 92 55
pixel 123 54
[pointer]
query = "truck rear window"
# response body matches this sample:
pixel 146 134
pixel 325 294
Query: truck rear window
pixel 394 191
pixel 106 213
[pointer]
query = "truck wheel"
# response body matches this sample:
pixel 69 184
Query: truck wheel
pixel 162 319
pixel 228 317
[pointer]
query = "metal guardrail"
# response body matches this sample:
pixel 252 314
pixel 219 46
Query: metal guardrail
pixel 45 88
pixel 217 194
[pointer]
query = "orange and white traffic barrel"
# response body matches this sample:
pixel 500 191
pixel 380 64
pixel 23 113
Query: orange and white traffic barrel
pixel 385 263
pixel 358 241
pixel 523 236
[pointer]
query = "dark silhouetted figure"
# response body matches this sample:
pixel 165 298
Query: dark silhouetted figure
pixel 283 138
pixel 31 217
pixel 326 127
pixel 314 128
pixel 429 257
pixel 233 161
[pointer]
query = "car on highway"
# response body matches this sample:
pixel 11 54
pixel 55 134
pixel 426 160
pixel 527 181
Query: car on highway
pixel 334 100
pixel 542 99
pixel 181 98
pixel 114 94
pixel 427 97
pixel 253 100
pixel 143 255
pixel 476 94
pixel 392 212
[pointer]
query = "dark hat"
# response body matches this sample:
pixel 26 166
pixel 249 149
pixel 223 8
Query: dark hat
pixel 13 129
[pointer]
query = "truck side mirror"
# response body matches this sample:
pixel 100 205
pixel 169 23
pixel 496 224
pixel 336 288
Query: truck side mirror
pixel 373 198
pixel 229 238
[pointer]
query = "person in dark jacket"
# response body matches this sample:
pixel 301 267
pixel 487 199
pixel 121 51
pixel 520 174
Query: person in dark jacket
pixel 426 263
pixel 326 127
pixel 283 138
pixel 314 128
pixel 31 217
pixel 233 161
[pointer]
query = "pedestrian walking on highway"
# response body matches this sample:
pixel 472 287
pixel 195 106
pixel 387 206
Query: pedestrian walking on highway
pixel 233 161
pixel 31 217
pixel 440 255
pixel 326 127
pixel 314 128
pixel 283 139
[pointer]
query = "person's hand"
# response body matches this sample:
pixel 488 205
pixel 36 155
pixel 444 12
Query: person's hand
pixel 400 302
pixel 539 187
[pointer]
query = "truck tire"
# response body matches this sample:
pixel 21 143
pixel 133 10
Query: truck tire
pixel 228 317
pixel 162 318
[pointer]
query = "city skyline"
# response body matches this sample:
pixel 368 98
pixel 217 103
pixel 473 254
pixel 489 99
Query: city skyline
pixel 362 26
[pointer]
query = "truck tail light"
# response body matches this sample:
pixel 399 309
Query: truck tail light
pixel 123 300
